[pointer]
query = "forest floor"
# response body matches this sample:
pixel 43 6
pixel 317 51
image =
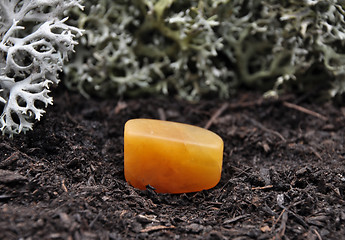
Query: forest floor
pixel 283 172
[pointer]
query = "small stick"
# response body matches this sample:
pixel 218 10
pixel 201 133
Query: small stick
pixel 282 227
pixel 262 127
pixel 317 234
pixel 305 110
pixel 277 220
pixel 216 115
pixel 235 219
pixel 315 153
pixel 156 228
pixel 64 186
pixel 94 220
pixel 227 183
pixel 242 171
pixel 262 188
pixel 11 159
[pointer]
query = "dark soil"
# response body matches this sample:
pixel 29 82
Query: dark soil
pixel 283 173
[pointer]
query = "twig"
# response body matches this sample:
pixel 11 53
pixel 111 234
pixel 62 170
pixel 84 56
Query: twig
pixel 156 228
pixel 317 234
pixel 231 179
pixel 7 176
pixel 305 110
pixel 69 117
pixel 94 220
pixel 298 217
pixel 282 228
pixel 242 171
pixel 277 220
pixel 222 188
pixel 315 153
pixel 262 188
pixel 10 160
pixel 262 127
pixel 235 219
pixel 64 186
pixel 7 146
pixel 216 115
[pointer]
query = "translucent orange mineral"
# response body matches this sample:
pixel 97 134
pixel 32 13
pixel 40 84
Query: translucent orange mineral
pixel 171 157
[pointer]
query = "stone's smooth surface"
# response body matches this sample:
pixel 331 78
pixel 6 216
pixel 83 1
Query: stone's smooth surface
pixel 171 157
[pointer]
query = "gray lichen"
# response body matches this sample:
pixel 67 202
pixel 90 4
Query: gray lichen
pixel 148 46
pixel 34 43
pixel 198 47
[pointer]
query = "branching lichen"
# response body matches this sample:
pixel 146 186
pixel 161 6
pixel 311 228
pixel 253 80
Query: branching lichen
pixel 148 46
pixel 196 47
pixel 272 42
pixel 33 46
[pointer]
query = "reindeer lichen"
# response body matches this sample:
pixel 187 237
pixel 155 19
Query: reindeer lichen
pixel 148 46
pixel 34 43
pixel 198 47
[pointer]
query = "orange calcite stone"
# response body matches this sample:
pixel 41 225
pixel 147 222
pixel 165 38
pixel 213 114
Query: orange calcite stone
pixel 171 157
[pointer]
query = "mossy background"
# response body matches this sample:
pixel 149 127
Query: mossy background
pixel 200 47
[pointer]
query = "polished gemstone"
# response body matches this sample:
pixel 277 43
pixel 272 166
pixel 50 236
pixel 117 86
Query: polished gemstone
pixel 171 157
